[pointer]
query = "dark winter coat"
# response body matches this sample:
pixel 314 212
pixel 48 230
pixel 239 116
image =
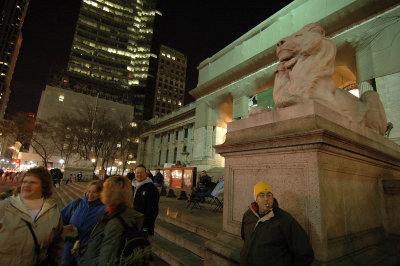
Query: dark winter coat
pixel 159 179
pixel 274 239
pixel 146 198
pixel 106 239
pixel 206 181
pixel 84 218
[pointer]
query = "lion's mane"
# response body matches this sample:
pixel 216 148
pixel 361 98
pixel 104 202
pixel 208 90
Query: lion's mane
pixel 304 72
pixel 306 62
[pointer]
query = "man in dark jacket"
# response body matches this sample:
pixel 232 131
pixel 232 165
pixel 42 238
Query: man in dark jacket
pixel 131 175
pixel 204 187
pixel 271 235
pixel 158 178
pixel 145 198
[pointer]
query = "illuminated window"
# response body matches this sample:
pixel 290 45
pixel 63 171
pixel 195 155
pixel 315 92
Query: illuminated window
pixel 61 98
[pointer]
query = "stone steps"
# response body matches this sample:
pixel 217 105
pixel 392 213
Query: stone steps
pixel 194 228
pixel 181 237
pixel 173 254
pixel 76 190
pixel 180 240
pixel 67 193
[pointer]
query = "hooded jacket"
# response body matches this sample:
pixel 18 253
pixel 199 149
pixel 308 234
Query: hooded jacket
pixel 106 238
pixel 145 200
pixel 84 218
pixel 273 239
pixel 17 246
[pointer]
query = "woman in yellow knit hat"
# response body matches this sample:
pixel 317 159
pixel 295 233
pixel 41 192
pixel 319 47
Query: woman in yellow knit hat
pixel 271 235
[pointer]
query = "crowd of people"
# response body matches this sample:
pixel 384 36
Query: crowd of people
pixel 11 177
pixel 88 231
pixel 92 230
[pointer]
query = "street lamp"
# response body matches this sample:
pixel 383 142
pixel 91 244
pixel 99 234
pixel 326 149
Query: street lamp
pixel 93 160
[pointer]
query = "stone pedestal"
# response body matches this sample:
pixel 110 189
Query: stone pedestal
pixel 328 173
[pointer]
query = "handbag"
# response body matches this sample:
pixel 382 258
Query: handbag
pixel 45 262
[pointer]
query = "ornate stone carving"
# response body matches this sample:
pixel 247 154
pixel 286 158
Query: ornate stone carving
pixel 304 72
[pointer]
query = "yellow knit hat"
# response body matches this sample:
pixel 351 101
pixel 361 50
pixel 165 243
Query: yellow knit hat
pixel 261 187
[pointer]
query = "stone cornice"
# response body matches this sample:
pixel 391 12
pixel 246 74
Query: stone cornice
pixel 175 121
pixel 352 13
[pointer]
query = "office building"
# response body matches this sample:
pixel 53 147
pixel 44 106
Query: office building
pixel 171 79
pixel 12 15
pixel 113 54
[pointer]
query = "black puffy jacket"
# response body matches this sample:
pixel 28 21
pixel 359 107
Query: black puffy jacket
pixel 274 239
pixel 146 201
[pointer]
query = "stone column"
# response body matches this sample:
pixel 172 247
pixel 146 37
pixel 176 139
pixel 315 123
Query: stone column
pixel 240 107
pixel 170 147
pixel 141 150
pixel 202 137
pixel 148 151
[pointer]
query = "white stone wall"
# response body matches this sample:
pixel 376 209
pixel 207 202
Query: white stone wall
pixel 77 103
pixel 388 88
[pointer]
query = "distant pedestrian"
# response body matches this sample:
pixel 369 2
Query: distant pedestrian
pixel 69 179
pixel 131 175
pixel 158 178
pixel 149 175
pixel 271 235
pixel 79 176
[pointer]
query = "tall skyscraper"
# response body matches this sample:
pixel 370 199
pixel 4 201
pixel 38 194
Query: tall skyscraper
pixel 12 15
pixel 171 80
pixel 113 52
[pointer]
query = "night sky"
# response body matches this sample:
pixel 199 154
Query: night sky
pixel 199 29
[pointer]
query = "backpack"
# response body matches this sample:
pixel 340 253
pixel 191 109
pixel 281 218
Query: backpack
pixel 135 247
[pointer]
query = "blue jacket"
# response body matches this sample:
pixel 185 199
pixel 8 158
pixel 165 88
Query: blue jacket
pixel 84 218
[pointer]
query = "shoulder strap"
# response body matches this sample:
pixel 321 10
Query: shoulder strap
pixel 37 248
pixel 74 208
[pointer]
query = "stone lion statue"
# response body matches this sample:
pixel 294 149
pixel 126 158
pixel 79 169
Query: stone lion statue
pixel 305 69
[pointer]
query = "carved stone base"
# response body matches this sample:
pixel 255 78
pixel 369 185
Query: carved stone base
pixel 328 173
